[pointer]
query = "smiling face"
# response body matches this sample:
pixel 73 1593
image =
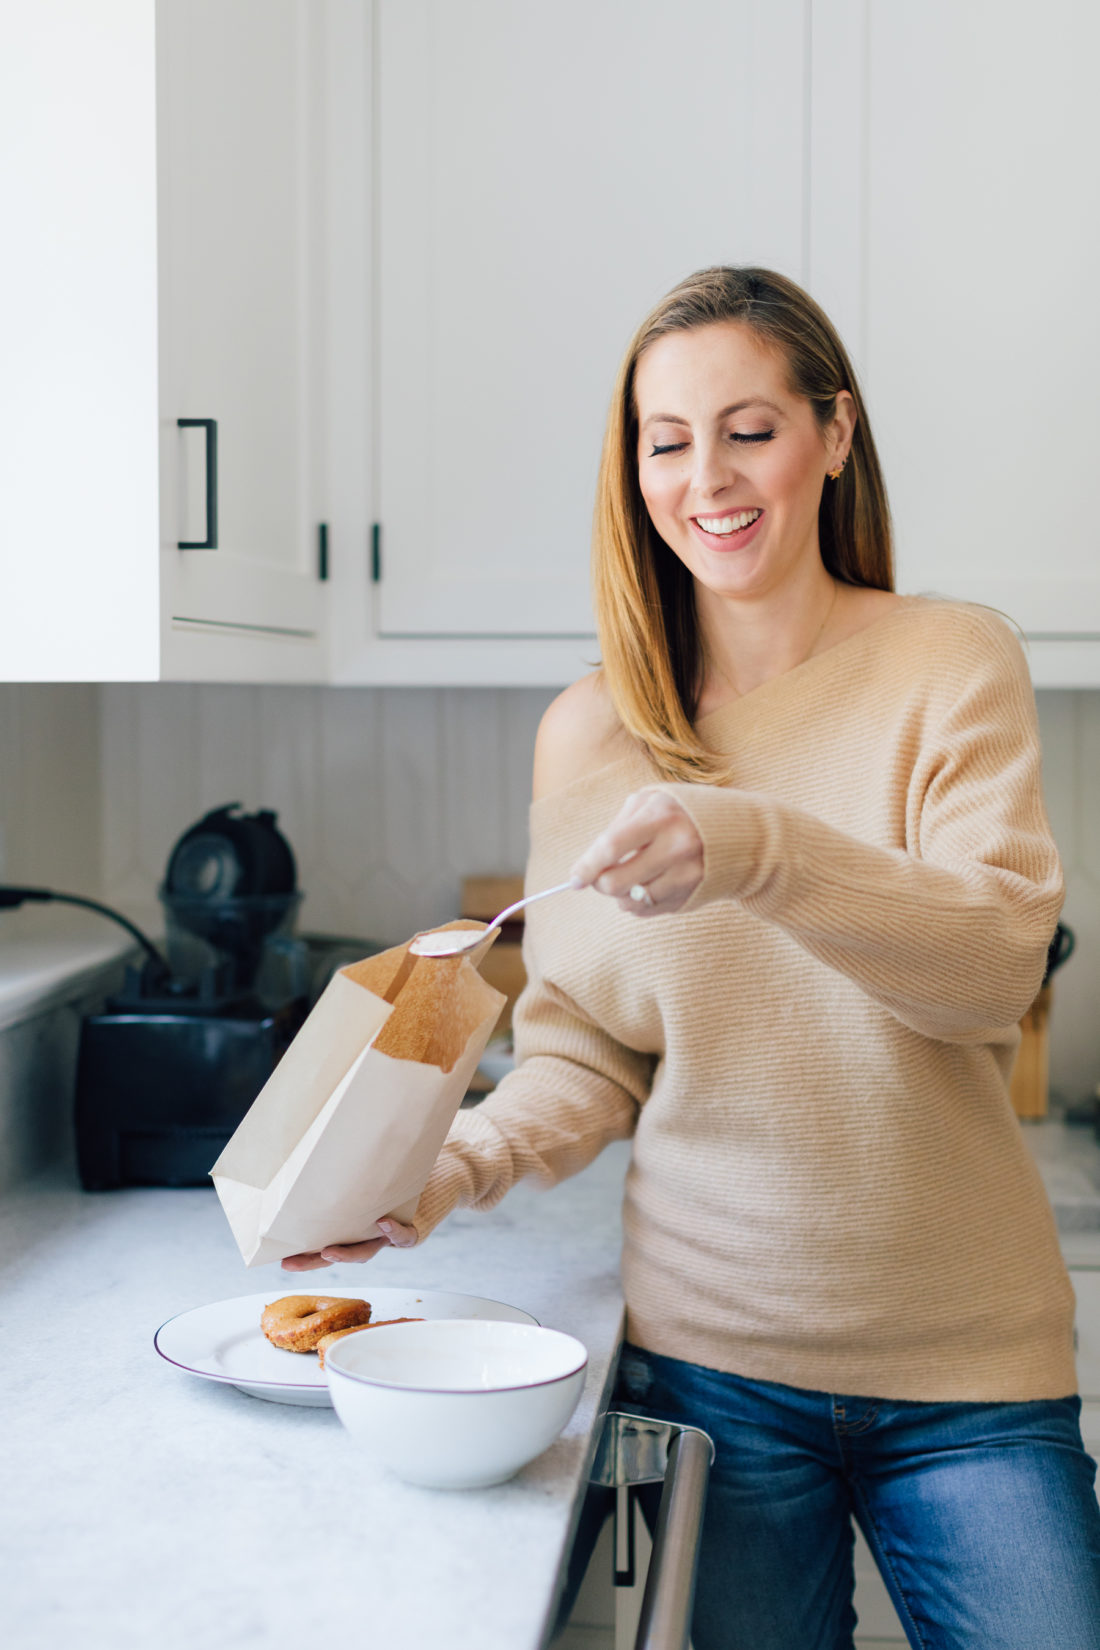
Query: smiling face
pixel 731 462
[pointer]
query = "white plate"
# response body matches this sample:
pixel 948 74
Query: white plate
pixel 224 1341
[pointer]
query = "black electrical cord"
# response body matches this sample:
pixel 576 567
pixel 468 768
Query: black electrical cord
pixel 11 896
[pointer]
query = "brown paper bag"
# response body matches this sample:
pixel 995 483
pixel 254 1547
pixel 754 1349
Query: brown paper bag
pixel 350 1122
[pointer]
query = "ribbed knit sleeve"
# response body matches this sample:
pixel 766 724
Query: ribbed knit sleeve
pixel 951 934
pixel 575 1090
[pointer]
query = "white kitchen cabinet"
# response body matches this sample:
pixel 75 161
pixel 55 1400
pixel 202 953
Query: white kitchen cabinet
pixel 956 147
pixel 541 177
pixel 1086 1286
pixel 1090 1427
pixel 78 341
pixel 544 174
pixel 877 1620
pixel 401 246
pixel 241 155
pixel 230 93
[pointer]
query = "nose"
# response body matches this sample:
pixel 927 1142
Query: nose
pixel 715 468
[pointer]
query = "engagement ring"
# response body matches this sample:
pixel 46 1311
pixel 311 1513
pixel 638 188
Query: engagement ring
pixel 641 895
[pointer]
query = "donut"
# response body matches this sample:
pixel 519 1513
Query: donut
pixel 353 1328
pixel 296 1322
pixel 336 1335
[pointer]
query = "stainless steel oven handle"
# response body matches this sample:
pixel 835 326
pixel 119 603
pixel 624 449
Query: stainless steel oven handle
pixel 635 1449
pixel 665 1621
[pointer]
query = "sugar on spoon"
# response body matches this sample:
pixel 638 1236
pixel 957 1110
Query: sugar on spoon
pixel 452 942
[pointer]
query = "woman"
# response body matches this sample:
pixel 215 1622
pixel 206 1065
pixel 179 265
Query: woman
pixel 822 801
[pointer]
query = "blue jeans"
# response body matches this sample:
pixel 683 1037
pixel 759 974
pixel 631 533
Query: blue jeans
pixel 982 1517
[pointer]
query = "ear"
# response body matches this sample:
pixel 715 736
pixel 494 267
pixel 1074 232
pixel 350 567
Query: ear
pixel 841 429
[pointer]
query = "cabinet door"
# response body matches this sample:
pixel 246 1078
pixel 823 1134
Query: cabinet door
pixel 1086 1286
pixel 239 232
pixel 544 174
pixel 878 1620
pixel 78 342
pixel 1090 1428
pixel 983 233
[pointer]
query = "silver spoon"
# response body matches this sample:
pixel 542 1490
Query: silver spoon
pixel 454 941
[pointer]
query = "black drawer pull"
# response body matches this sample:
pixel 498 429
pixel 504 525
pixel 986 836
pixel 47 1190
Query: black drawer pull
pixel 210 425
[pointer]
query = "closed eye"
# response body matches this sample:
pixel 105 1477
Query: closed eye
pixel 735 435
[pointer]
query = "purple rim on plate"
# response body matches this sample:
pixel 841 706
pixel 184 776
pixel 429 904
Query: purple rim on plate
pixel 300 1386
pixel 236 1380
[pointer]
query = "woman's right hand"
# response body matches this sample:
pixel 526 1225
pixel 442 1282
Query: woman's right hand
pixel 652 846
pixel 394 1235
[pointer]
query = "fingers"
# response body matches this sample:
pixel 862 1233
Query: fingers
pixel 302 1263
pixel 394 1234
pixel 615 846
pixel 613 850
pixel 651 844
pixel 334 1252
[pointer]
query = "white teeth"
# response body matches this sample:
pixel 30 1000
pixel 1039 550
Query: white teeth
pixel 729 524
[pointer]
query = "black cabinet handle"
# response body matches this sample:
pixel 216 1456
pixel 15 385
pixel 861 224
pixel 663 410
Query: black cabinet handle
pixel 210 425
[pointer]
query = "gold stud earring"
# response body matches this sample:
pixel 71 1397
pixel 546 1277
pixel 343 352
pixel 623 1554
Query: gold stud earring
pixel 834 475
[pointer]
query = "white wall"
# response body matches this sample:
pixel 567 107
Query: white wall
pixel 50 786
pixel 388 797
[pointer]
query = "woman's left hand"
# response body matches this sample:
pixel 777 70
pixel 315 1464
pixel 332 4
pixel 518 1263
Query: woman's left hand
pixel 394 1232
pixel 650 845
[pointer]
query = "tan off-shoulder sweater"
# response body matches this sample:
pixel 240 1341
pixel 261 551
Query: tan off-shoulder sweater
pixel 828 1186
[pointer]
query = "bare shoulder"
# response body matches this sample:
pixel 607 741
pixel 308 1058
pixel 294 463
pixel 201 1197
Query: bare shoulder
pixel 579 733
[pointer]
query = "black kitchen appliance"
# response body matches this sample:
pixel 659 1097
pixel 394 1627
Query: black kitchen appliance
pixel 168 1069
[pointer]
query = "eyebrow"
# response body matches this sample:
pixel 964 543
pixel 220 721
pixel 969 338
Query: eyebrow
pixel 737 406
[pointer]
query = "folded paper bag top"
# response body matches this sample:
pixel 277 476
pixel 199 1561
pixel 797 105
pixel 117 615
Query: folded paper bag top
pixel 350 1122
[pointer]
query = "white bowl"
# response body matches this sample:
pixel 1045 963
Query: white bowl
pixel 456 1403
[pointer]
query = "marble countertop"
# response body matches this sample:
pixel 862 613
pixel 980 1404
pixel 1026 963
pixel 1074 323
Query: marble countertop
pixel 144 1506
pixel 50 953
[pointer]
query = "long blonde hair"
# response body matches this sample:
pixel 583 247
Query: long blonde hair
pixel 644 595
